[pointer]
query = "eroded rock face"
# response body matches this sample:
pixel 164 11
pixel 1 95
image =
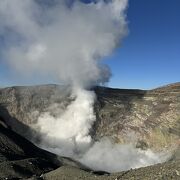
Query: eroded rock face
pixel 20 106
pixel 147 118
pixel 150 118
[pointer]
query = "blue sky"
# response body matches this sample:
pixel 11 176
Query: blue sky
pixel 149 56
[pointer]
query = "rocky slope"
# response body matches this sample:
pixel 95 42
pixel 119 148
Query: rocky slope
pixel 165 171
pixel 147 118
pixel 19 158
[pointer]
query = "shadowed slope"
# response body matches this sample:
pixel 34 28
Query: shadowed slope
pixel 19 158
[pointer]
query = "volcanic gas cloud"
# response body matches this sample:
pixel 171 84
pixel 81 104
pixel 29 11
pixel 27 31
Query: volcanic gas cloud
pixel 66 41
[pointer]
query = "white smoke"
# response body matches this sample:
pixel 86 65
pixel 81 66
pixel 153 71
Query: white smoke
pixel 64 43
pixel 67 43
pixel 68 131
pixel 108 156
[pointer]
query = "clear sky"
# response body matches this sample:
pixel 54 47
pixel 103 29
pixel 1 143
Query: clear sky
pixel 149 56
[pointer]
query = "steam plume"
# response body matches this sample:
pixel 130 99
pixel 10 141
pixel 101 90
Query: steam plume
pixel 62 42
pixel 66 41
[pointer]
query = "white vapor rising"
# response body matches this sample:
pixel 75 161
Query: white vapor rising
pixel 67 42
pixel 68 131
pixel 108 156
